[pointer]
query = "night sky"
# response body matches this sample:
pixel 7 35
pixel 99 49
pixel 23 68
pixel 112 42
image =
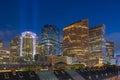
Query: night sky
pixel 17 16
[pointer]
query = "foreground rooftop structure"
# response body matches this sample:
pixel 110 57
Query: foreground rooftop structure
pixel 106 73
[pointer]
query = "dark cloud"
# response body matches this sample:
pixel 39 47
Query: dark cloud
pixel 8 27
pixel 7 32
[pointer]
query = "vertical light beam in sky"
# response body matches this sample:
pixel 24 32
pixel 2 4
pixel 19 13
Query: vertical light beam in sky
pixel 35 15
pixel 22 12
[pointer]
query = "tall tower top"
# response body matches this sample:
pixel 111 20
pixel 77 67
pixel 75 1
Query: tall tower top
pixel 81 23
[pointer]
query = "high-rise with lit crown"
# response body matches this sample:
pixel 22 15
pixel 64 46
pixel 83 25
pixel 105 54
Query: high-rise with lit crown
pixel 75 40
pixel 28 44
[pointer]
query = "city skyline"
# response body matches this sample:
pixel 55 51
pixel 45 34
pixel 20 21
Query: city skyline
pixel 18 16
pixel 59 39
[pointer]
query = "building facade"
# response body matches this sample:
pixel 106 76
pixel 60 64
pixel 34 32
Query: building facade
pixel 28 44
pixel 1 43
pixel 15 46
pixel 97 47
pixel 75 40
pixel 50 39
pixel 109 51
pixel 4 56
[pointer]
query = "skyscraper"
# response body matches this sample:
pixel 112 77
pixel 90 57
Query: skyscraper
pixel 109 50
pixel 28 43
pixel 97 45
pixel 75 40
pixel 1 43
pixel 15 46
pixel 50 39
